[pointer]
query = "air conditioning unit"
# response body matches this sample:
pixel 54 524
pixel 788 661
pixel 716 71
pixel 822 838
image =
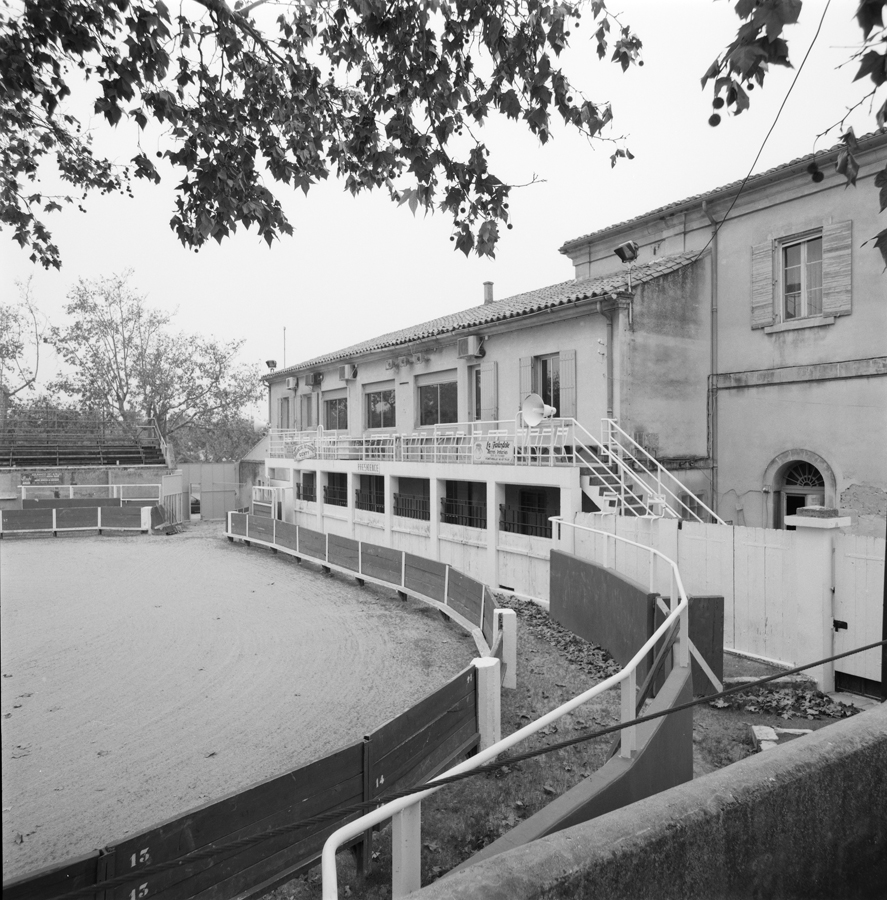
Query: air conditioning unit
pixel 292 384
pixel 312 379
pixel 469 347
pixel 347 372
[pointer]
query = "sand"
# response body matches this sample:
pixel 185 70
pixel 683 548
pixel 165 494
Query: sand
pixel 143 676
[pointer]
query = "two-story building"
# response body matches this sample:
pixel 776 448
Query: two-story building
pixel 733 370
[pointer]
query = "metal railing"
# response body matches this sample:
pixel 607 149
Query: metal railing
pixel 463 512
pixel 407 841
pixel 621 470
pixel 518 520
pixel 412 507
pixel 621 445
pixel 307 492
pixel 369 501
pixel 335 496
pixel 127 493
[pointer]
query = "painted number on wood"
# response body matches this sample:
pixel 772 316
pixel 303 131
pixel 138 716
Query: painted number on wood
pixel 142 858
pixel 139 893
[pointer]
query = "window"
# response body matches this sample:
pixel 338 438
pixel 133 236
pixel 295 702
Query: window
pixel 371 494
pixel 336 414
pixel 438 403
pixel 335 491
pixel 802 279
pixel 307 489
pixel 380 409
pixel 307 411
pixel 283 413
pixel 553 377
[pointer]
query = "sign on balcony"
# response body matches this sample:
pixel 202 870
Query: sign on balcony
pixel 494 450
pixel 300 451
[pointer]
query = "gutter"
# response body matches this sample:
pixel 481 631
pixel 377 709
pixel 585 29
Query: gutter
pixel 713 363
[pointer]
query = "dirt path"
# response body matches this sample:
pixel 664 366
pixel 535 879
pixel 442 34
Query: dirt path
pixel 143 676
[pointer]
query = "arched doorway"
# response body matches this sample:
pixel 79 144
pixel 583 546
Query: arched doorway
pixel 795 479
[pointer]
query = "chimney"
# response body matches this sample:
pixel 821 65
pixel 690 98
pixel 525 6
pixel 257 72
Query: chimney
pixel 488 292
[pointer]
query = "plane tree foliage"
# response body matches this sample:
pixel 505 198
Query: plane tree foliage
pixel 123 359
pixel 385 95
pixel 22 327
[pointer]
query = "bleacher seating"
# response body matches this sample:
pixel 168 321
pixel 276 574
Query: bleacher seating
pixel 24 443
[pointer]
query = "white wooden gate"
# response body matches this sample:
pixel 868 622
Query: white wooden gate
pixel 859 585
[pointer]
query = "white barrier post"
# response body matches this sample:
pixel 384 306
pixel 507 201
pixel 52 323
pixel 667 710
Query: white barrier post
pixel 506 622
pixel 489 706
pixel 406 851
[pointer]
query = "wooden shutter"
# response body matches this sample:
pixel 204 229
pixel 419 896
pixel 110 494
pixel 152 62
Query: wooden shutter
pixel 836 254
pixel 489 393
pixel 762 285
pixel 568 384
pixel 283 414
pixel 526 377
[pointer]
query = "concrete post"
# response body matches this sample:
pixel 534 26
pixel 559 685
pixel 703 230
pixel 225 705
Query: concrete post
pixel 489 709
pixel 389 508
pixel 436 489
pixel 495 496
pixel 629 711
pixel 814 619
pixel 506 622
pixel 406 851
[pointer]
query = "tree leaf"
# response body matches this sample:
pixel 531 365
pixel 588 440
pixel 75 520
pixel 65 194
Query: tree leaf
pixel 881 183
pixel 873 64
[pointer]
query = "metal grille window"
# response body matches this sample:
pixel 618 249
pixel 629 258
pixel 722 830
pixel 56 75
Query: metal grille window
pixel 412 507
pixel 520 520
pixel 802 279
pixel 336 414
pixel 371 494
pixel 335 491
pixel 438 403
pixel 380 409
pixel 307 490
pixel 463 512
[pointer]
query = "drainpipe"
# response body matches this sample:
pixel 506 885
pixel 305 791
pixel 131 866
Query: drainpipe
pixel 608 315
pixel 713 363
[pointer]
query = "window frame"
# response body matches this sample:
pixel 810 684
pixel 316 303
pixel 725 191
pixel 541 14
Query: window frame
pixel 367 400
pixel 327 406
pixel 783 246
pixel 436 386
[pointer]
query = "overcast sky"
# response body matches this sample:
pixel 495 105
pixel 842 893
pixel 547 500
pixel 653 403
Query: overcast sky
pixel 360 267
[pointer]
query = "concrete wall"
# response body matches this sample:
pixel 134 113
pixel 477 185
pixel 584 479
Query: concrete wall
pixel 801 821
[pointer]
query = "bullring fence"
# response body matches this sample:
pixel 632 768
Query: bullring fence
pixel 456 719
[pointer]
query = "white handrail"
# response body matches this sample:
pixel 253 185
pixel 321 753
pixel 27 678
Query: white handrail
pixel 627 676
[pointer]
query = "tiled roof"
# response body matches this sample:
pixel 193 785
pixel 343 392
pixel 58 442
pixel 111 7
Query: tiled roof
pixel 823 156
pixel 509 308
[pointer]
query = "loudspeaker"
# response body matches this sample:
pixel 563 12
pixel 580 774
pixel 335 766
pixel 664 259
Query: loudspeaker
pixel 533 410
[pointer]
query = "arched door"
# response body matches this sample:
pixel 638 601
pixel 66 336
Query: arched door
pixel 802 485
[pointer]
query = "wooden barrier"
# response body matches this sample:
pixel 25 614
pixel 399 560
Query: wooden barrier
pixel 426 576
pixel 48 883
pixel 63 502
pixel 465 595
pixel 71 518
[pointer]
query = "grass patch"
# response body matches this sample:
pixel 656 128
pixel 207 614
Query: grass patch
pixel 553 665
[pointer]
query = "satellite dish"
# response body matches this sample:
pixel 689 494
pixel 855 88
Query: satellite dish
pixel 533 410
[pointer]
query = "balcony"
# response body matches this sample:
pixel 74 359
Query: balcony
pixel 335 496
pixel 518 520
pixel 463 512
pixel 369 501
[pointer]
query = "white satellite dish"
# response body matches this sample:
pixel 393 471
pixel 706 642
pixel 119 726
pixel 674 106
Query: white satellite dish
pixel 533 410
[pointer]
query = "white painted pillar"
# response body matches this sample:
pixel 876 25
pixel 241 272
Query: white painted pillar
pixel 495 496
pixel 489 700
pixel 406 851
pixel 351 499
pixel 436 492
pixel 506 622
pixel 813 618
pixel 389 507
pixel 629 712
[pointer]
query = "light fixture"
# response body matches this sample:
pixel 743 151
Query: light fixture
pixel 627 252
pixel 271 363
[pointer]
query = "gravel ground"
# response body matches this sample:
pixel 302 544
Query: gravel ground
pixel 143 676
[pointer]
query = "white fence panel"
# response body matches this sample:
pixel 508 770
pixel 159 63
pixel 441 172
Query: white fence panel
pixel 859 583
pixel 705 558
pixel 765 595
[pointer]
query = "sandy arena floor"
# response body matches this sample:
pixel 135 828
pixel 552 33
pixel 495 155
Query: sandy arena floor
pixel 142 676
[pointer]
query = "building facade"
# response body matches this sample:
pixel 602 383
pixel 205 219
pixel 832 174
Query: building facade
pixel 733 371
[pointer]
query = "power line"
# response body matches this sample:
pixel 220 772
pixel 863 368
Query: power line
pixel 767 137
pixel 343 812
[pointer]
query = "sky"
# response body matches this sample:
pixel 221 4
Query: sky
pixel 359 267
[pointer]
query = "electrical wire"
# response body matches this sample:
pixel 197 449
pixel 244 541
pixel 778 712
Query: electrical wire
pixel 341 813
pixel 767 137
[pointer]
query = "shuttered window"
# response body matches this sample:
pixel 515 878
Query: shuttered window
pixel 804 276
pixel 488 409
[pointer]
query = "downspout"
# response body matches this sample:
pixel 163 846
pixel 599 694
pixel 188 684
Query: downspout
pixel 713 363
pixel 608 315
